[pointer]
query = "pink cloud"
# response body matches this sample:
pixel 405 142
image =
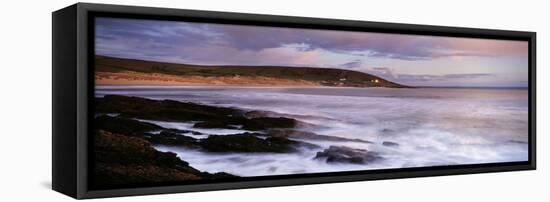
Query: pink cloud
pixel 490 47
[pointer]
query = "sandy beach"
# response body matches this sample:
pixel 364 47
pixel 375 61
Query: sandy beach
pixel 159 79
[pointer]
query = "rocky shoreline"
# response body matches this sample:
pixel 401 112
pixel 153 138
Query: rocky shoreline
pixel 124 160
pixel 123 142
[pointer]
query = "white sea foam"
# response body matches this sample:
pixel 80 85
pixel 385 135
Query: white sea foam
pixel 189 126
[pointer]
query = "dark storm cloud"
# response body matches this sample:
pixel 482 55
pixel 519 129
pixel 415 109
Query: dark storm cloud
pixel 143 39
pixel 163 32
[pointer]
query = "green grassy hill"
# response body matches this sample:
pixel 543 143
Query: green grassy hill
pixel 322 76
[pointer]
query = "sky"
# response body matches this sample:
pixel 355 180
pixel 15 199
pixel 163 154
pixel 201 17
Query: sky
pixel 417 60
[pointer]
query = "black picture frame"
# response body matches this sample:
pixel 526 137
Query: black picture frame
pixel 73 93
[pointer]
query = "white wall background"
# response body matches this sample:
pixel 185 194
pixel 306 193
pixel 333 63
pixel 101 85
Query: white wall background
pixel 25 103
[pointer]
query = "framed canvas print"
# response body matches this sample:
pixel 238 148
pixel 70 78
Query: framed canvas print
pixel 153 100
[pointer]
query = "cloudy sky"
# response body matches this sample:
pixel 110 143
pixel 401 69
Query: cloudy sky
pixel 408 59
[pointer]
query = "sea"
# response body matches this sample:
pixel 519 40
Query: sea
pixel 430 126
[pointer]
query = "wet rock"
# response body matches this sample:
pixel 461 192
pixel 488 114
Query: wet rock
pixel 124 126
pixel 170 110
pixel 247 143
pixel 298 134
pixel 164 110
pixel 342 154
pixel 390 144
pixel 263 123
pixel 206 117
pixel 261 113
pixel 301 124
pixel 121 160
pixel 173 130
pixel 171 138
pixel 214 124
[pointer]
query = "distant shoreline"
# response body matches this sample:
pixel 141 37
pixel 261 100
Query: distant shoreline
pixel 119 71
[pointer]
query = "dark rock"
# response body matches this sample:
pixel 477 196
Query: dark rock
pixel 342 154
pixel 124 126
pixel 258 134
pixel 207 117
pixel 173 130
pixel 390 144
pixel 247 143
pixel 261 113
pixel 120 160
pixel 291 133
pixel 171 138
pixel 165 110
pixel 243 142
pixel 214 124
pixel 169 110
pixel 263 123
